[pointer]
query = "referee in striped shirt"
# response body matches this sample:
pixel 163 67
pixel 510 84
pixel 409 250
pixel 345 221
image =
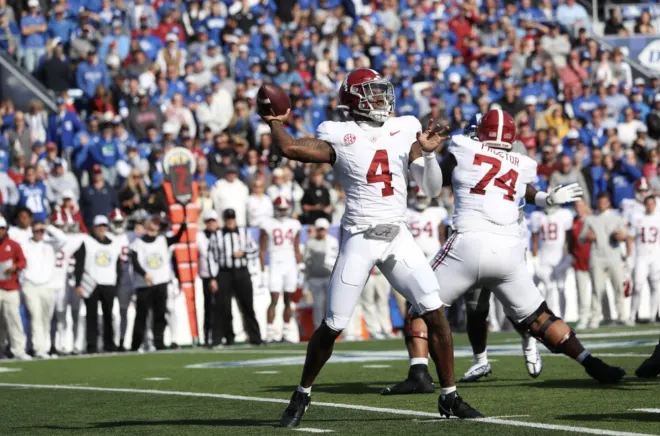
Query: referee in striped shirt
pixel 230 250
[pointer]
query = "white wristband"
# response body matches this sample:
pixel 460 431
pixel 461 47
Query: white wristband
pixel 541 199
pixel 429 154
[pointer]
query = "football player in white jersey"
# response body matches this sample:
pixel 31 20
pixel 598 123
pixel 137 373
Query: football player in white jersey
pixel 645 236
pixel 371 154
pixel 64 234
pixel 426 223
pixel 125 288
pixel 280 236
pixel 489 181
pixel 632 208
pixel 550 236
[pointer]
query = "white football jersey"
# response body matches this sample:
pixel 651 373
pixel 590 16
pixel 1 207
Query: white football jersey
pixel 372 166
pixel 281 239
pixel 64 256
pixel 552 228
pixel 424 227
pixel 488 186
pixel 631 209
pixel 646 231
pixel 122 241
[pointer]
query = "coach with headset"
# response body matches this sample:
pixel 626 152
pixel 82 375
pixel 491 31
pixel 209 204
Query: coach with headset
pixel 229 252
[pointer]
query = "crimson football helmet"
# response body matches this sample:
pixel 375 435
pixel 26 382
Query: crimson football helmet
pixel 642 189
pixel 367 95
pixel 497 129
pixel 282 206
pixel 63 220
pixel 117 220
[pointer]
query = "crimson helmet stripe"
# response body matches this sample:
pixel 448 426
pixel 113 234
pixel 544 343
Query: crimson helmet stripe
pixel 500 124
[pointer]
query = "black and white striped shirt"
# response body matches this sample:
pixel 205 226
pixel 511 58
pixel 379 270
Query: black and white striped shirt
pixel 224 243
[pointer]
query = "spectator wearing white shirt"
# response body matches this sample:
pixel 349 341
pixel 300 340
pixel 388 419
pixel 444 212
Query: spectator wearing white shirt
pixel 179 115
pixel 230 193
pixel 628 128
pixel 216 111
pixel 259 205
pixel 172 54
pixel 38 287
pixel 21 232
pixel 283 184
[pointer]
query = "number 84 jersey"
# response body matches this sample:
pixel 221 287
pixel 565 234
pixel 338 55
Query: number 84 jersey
pixel 488 185
pixel 372 166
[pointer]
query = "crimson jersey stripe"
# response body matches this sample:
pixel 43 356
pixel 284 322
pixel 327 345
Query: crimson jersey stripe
pixel 445 251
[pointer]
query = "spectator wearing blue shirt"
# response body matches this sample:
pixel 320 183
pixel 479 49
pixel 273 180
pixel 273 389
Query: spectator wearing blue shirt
pixel 596 175
pixel 32 194
pixel 457 66
pixel 91 74
pixel 286 77
pixel 98 198
pixel 624 175
pixel 10 35
pixel 406 104
pixel 35 35
pixel 63 126
pixel 59 26
pixel 5 153
pixel 571 14
pixel 468 108
pixel 106 153
pixel 450 96
pixel 149 43
pixel 123 42
pixel 585 102
pixel 215 22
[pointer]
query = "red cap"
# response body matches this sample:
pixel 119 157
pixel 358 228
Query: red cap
pixel 506 65
pixel 51 146
pixel 96 169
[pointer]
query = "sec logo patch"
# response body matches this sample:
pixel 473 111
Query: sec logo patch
pixel 102 258
pixel 349 139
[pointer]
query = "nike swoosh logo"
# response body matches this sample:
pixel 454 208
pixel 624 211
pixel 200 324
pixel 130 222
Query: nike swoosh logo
pixel 394 133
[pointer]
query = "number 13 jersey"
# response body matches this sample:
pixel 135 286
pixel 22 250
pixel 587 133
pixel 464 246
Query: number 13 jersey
pixel 488 185
pixel 372 165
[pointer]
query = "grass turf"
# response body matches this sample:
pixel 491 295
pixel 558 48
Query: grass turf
pixel 563 395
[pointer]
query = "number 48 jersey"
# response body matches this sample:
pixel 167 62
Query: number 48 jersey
pixel 281 239
pixel 488 185
pixel 552 228
pixel 372 166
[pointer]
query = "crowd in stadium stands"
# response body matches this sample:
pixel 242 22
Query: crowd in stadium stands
pixel 134 78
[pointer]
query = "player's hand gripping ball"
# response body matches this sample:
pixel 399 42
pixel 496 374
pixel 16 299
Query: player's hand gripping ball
pixel 272 101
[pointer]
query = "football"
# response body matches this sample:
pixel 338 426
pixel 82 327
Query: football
pixel 272 100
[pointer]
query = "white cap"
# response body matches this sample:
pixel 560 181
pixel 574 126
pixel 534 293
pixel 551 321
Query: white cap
pixel 639 81
pixel 243 48
pixel 251 93
pixel 322 223
pixel 171 37
pixel 3 222
pixel 573 134
pixel 278 172
pixel 210 214
pixel 101 220
pixel 656 98
pixel 33 3
pixel 454 78
pixel 642 128
pixel 67 193
pixel 530 100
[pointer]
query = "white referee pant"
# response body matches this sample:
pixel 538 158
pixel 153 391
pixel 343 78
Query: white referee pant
pixel 39 301
pixel 10 320
pixel 318 286
pixel 375 302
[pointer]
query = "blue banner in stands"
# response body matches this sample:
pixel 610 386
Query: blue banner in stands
pixel 645 50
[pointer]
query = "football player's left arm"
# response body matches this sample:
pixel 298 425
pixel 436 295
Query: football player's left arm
pixel 296 250
pixel 558 195
pixel 423 161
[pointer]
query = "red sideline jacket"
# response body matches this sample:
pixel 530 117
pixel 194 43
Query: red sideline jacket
pixel 580 250
pixel 10 249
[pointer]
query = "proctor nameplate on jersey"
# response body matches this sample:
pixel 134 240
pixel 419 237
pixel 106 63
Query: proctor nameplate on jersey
pixel 383 232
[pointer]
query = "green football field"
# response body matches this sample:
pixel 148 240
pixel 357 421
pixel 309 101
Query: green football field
pixel 242 391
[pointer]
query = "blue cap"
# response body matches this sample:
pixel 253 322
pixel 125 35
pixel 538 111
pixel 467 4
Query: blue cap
pixel 211 44
pixel 537 69
pixel 528 72
pixel 215 80
pixel 282 60
pixel 59 101
pixel 635 91
pixel 298 113
pixel 308 94
pixel 208 92
pixel 92 118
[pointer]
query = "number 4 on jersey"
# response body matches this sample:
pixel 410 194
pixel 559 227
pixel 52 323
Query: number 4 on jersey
pixel 381 161
pixel 506 181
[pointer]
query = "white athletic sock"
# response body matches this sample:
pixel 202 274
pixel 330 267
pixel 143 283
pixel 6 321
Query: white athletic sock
pixel 419 361
pixel 446 391
pixel 583 355
pixel 481 358
pixel 304 390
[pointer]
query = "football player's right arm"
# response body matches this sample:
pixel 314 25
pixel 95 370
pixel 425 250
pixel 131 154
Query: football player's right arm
pixel 535 244
pixel 263 245
pixel 302 150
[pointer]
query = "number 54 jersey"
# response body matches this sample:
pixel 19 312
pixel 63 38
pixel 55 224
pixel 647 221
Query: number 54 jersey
pixel 488 185
pixel 372 166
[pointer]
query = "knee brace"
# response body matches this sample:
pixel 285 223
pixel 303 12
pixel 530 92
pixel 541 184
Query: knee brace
pixel 408 330
pixel 327 335
pixel 553 332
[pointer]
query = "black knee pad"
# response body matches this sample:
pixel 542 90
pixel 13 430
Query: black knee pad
pixel 540 333
pixel 327 336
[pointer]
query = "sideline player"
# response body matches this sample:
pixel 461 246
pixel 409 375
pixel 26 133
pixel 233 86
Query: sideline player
pixel 645 235
pixel 281 237
pixel 489 181
pixel 125 288
pixel 371 154
pixel 550 235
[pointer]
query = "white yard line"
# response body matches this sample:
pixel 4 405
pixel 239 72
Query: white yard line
pixel 494 420
pixel 603 335
pixel 313 430
pixel 646 410
pixel 156 378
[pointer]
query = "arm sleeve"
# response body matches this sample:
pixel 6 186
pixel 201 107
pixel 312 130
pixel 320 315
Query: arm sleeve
pixel 78 270
pixel 136 265
pixel 171 240
pixel 427 174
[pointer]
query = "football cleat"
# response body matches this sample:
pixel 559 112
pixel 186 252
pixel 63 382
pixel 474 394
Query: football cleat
pixel 533 360
pixel 650 367
pixel 601 371
pixel 453 405
pixel 297 407
pixel 419 381
pixel 476 371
